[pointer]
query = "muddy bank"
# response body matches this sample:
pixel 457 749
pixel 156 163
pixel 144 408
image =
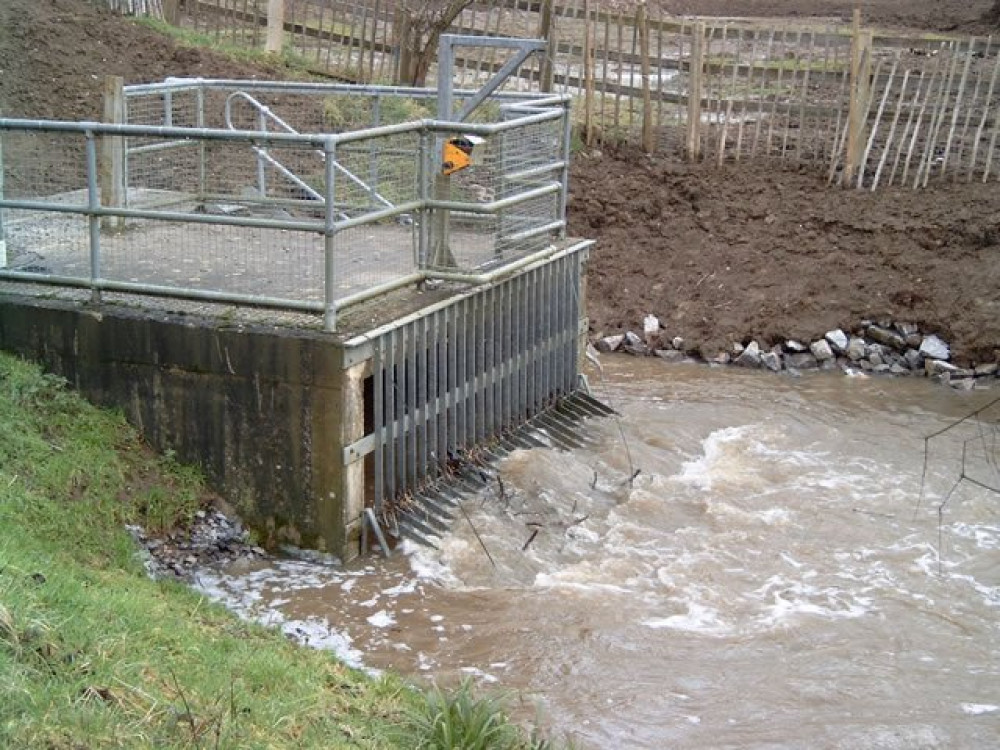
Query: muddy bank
pixel 727 255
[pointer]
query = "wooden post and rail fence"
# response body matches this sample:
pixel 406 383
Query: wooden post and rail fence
pixel 869 108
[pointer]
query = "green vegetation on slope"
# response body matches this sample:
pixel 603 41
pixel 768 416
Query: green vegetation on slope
pixel 93 654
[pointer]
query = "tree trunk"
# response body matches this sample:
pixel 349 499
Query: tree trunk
pixel 421 25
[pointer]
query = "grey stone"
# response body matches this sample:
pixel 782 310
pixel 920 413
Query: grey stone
pixel 876 359
pixel 803 361
pixel 632 339
pixel 670 355
pixel 914 359
pixel 865 365
pixel 962 384
pixel 985 371
pixel 795 347
pixel 737 349
pixel 771 361
pixel 935 348
pixel 678 343
pixel 750 356
pixel 939 367
pixel 856 349
pixel 721 359
pixel 610 343
pixel 874 350
pixel 881 369
pixel 828 364
pixel 943 377
pixel 821 350
pixel 913 340
pixel 838 340
pixel 898 369
pixel 887 337
pixel 907 329
pixel 650 324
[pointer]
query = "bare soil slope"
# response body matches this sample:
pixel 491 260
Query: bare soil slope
pixel 754 251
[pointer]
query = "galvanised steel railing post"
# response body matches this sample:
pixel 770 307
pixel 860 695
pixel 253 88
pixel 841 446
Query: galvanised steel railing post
pixel 200 122
pixel 423 188
pixel 567 140
pixel 329 235
pixel 93 217
pixel 3 236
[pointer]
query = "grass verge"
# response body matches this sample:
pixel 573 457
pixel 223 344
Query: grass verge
pixel 93 654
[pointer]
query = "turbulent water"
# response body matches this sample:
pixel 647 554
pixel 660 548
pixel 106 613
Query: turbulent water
pixel 771 576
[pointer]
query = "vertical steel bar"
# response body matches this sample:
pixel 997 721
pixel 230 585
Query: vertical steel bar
pixel 566 155
pixel 3 236
pixel 433 393
pixel 444 398
pixel 399 398
pixel 329 236
pixel 459 382
pixel 453 400
pixel 508 348
pixel 373 149
pixel 489 363
pixel 411 401
pixel 202 167
pixel 389 347
pixel 422 397
pixel 378 420
pixel 482 432
pixel 94 221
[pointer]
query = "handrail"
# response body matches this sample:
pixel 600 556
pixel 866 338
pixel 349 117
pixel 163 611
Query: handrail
pixel 267 113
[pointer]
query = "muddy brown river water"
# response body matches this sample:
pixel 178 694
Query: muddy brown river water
pixel 771 578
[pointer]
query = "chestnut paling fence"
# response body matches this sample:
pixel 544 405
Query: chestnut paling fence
pixel 869 108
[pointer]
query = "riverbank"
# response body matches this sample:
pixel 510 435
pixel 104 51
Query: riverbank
pixel 754 252
pixel 96 653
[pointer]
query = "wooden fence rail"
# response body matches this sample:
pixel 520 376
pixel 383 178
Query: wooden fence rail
pixel 869 108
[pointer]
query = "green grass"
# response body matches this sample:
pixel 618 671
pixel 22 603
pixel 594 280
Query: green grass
pixel 93 654
pixel 235 50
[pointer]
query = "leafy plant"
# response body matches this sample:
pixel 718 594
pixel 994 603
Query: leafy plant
pixel 459 720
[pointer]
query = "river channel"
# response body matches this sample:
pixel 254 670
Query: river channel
pixel 769 578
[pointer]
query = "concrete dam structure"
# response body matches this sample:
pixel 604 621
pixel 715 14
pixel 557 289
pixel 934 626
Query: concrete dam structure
pixel 321 294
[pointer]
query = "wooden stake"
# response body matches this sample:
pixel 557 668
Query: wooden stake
pixel 982 122
pixel 694 92
pixel 892 128
pixel 958 104
pixel 944 94
pixel 648 138
pixel 111 174
pixel 878 119
pixel 588 78
pixel 275 26
pixel 860 88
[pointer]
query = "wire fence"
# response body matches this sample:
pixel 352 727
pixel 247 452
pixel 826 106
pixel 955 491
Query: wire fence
pixel 223 191
pixel 869 108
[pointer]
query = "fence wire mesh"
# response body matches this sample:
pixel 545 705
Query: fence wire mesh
pixel 250 199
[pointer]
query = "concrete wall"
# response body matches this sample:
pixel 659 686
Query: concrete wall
pixel 260 410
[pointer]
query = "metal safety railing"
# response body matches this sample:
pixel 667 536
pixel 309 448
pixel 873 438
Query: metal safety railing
pixel 190 198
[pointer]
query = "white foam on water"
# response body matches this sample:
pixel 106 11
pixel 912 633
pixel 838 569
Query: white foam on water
pixel 318 633
pixel 976 709
pixel 790 599
pixel 381 619
pixel 407 587
pixel 720 460
pixel 699 618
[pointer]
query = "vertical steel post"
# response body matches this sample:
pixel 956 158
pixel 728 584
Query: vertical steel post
pixel 329 235
pixel 566 155
pixel 378 421
pixel 373 190
pixel 423 186
pixel 93 219
pixel 3 236
pixel 202 168
pixel 261 161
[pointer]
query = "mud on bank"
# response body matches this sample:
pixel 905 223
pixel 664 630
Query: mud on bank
pixel 759 251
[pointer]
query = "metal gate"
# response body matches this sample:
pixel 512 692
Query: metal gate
pixel 475 369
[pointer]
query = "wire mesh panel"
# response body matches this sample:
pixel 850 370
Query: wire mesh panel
pixel 48 169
